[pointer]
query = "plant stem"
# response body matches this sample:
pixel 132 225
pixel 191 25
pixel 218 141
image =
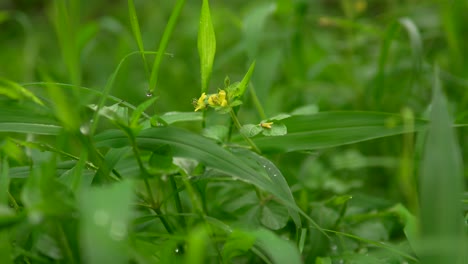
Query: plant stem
pixel 238 125
pixel 257 103
pixel 178 203
pixel 155 206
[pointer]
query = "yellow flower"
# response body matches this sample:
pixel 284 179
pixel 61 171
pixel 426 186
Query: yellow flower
pixel 200 103
pixel 266 124
pixel 218 99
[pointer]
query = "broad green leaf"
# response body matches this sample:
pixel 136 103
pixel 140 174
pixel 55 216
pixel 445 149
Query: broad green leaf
pixel 14 118
pixel 277 250
pixel 251 130
pixel 206 45
pixel 190 145
pixel 277 129
pixel 105 213
pixel 273 215
pixel 331 129
pixel 441 186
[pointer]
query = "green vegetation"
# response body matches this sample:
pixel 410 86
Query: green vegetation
pixel 275 131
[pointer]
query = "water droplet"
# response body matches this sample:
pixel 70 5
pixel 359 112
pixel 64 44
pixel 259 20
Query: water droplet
pixel 274 175
pixel 101 217
pixel 118 230
pixel 334 247
pixel 84 129
pixel 149 94
pixel 341 261
pixel 35 217
pixel 264 166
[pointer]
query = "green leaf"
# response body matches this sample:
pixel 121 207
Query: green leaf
pixel 277 178
pixel 245 81
pixel 164 42
pixel 136 32
pixel 139 111
pixel 251 130
pixel 24 119
pixel 273 215
pixel 277 129
pixel 174 117
pixel 237 244
pixel 161 158
pixel 441 185
pixel 105 213
pixel 206 45
pixel 190 145
pixel 16 91
pixel 275 248
pixel 331 129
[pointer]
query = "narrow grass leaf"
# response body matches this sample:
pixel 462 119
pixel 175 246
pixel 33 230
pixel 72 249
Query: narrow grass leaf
pixel 441 186
pixel 331 129
pixel 245 81
pixel 136 32
pixel 27 120
pixel 16 91
pixel 206 45
pixel 163 44
pixel 66 31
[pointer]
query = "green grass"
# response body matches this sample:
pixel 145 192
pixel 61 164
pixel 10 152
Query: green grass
pixel 325 132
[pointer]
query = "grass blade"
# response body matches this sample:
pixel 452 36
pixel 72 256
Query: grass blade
pixel 331 129
pixel 441 181
pixel 137 33
pixel 206 45
pixel 163 44
pixel 27 120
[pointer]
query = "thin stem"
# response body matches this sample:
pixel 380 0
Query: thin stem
pixel 238 125
pixel 257 103
pixel 65 243
pixel 13 201
pixel 177 200
pixel 155 206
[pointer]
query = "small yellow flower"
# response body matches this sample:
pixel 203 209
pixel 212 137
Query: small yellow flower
pixel 218 99
pixel 200 103
pixel 266 124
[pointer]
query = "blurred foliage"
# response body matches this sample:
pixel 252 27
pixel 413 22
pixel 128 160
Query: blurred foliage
pixel 59 60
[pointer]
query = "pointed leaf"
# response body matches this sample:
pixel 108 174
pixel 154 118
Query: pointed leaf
pixel 206 45
pixel 331 129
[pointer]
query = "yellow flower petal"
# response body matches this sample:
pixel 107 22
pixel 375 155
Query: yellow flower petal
pixel 266 124
pixel 200 104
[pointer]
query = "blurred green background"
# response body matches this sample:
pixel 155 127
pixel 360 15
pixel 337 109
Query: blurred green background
pixel 329 55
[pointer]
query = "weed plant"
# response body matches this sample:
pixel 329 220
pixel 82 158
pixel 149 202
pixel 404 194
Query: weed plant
pixel 320 131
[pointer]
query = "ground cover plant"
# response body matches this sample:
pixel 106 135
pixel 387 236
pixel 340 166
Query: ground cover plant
pixel 282 131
